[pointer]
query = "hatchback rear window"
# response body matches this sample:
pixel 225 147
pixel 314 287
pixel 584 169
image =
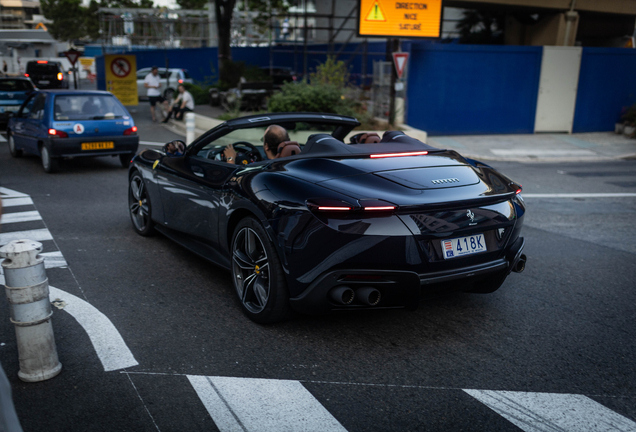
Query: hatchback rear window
pixel 10 85
pixel 88 107
pixel 42 69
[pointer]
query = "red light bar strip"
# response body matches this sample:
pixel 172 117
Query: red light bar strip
pixel 518 191
pixel 334 208
pixel 398 154
pixel 380 208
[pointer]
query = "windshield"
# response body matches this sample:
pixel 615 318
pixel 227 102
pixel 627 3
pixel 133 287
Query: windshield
pixel 88 107
pixel 10 85
pixel 298 131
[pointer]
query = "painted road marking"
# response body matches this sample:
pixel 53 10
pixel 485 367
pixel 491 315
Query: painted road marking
pixel 26 216
pixel 14 202
pixel 2 138
pixel 10 193
pixel 546 412
pixel 152 143
pixel 543 152
pixel 263 405
pixel 108 343
pixel 581 195
pixel 36 234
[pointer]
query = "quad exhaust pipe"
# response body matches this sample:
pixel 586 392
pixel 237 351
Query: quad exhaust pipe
pixel 368 296
pixel 520 265
pixel 343 295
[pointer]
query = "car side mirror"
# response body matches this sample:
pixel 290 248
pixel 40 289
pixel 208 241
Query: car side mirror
pixel 174 148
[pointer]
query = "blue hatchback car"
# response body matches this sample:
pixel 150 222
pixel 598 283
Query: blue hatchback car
pixel 13 92
pixel 54 124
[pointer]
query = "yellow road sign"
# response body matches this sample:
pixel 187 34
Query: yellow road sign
pixel 395 18
pixel 121 77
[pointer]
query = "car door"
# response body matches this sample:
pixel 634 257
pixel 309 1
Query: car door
pixel 33 125
pixel 190 189
pixel 19 129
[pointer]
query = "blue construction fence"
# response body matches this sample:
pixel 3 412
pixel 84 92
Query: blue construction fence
pixel 453 89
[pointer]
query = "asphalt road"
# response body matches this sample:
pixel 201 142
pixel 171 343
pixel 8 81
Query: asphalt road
pixel 554 344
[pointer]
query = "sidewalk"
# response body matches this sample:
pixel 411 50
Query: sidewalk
pixel 583 147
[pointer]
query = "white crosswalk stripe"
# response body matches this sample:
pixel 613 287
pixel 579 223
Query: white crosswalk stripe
pixel 27 216
pixel 548 412
pixel 264 405
pixel 14 202
pixel 36 234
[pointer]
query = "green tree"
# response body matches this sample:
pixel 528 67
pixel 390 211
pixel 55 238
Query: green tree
pixel 68 18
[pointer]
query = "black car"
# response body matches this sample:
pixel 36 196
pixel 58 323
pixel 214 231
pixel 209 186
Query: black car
pixel 280 75
pixel 47 74
pixel 336 226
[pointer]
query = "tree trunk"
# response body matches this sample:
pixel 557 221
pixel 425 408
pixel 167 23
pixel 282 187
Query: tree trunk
pixel 224 11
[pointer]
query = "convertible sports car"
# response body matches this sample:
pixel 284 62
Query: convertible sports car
pixel 331 226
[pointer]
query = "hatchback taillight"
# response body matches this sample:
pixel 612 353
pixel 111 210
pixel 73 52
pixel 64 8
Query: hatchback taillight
pixel 131 131
pixel 60 76
pixel 54 133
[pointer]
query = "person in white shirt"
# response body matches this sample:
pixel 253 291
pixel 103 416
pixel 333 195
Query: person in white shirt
pixel 153 83
pixel 182 104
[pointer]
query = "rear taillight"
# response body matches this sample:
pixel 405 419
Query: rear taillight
pixel 180 81
pixel 131 131
pixel 377 206
pixel 319 205
pixel 26 75
pixel 334 208
pixel 54 133
pixel 386 155
pixel 60 76
pixel 42 62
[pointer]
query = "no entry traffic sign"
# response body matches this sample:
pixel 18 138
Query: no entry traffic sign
pixel 400 59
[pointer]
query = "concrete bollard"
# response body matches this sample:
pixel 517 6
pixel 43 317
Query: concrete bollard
pixel 27 289
pixel 190 125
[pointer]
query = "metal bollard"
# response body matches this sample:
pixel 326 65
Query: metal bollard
pixel 189 118
pixel 27 289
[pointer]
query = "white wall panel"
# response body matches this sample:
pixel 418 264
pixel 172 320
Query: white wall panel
pixel 557 89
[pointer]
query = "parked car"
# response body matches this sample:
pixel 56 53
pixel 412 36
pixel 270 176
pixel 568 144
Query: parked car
pixel 370 224
pixel 170 79
pixel 47 74
pixel 280 75
pixel 57 124
pixel 13 92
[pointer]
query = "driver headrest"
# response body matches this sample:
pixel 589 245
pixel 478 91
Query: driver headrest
pixel 287 148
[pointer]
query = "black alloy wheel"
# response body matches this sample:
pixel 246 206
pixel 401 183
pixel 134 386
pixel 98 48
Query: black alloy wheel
pixel 257 274
pixel 139 206
pixel 12 149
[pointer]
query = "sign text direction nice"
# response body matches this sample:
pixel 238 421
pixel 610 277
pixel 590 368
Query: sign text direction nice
pixel 391 18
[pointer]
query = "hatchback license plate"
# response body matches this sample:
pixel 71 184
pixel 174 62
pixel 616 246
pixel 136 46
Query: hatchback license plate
pixel 98 145
pixel 461 246
pixel 43 82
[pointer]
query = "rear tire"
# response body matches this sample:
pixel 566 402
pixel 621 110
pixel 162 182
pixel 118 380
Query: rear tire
pixel 139 206
pixel 257 274
pixel 12 148
pixel 49 164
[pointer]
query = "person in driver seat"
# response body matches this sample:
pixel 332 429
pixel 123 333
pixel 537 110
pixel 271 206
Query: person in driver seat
pixel 272 139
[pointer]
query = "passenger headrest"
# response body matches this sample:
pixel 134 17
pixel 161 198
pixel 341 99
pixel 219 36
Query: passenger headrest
pixel 287 148
pixel 369 138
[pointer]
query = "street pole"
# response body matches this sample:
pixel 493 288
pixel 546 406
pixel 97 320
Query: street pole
pixel 394 46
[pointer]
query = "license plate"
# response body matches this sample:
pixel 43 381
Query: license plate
pixel 98 145
pixel 461 246
pixel 43 82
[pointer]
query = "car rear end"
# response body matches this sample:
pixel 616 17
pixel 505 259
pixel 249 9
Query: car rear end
pixel 13 92
pixel 400 228
pixel 90 124
pixel 47 75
